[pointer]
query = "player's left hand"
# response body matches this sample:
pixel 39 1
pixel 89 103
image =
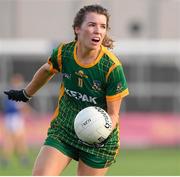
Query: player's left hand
pixel 17 95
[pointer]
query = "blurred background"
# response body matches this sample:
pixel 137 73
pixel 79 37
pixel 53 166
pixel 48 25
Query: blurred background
pixel 147 41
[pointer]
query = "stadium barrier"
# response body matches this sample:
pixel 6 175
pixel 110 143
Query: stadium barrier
pixel 137 130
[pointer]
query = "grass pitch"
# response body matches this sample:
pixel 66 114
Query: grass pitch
pixel 142 162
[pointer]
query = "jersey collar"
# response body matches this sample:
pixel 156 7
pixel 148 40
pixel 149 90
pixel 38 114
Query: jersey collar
pixel 101 53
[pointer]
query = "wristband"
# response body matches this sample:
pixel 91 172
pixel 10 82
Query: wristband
pixel 26 95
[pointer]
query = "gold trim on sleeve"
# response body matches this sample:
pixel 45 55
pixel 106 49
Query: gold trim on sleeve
pixel 117 96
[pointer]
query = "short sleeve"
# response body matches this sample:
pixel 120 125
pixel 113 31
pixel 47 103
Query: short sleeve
pixel 116 84
pixel 55 60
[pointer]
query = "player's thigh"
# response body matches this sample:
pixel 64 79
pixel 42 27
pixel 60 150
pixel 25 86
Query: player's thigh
pixel 50 162
pixel 85 170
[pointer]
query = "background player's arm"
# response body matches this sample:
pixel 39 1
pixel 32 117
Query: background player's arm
pixel 113 108
pixel 39 79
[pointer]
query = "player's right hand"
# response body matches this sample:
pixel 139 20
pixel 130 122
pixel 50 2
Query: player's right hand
pixel 17 95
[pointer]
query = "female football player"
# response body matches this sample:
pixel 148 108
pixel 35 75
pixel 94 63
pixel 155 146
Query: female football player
pixel 92 76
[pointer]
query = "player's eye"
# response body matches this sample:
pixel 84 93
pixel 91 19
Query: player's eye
pixel 91 24
pixel 103 26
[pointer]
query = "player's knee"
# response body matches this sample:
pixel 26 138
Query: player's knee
pixel 45 171
pixel 38 172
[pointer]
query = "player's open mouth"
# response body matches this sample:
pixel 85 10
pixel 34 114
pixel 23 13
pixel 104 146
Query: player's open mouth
pixel 96 39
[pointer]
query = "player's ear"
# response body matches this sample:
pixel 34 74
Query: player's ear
pixel 77 30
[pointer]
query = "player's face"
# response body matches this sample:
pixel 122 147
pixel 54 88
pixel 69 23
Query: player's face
pixel 92 31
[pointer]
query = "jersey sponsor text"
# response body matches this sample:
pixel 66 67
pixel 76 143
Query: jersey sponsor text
pixel 80 96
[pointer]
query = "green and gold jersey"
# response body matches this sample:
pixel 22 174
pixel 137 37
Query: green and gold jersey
pixel 85 85
pixel 93 83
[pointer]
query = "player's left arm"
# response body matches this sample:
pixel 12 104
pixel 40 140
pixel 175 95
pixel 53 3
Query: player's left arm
pixel 113 109
pixel 115 92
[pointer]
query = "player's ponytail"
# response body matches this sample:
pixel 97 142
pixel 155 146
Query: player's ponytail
pixel 80 16
pixel 108 42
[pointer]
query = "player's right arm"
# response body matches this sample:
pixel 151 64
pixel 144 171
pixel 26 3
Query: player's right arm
pixel 39 79
pixel 43 74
